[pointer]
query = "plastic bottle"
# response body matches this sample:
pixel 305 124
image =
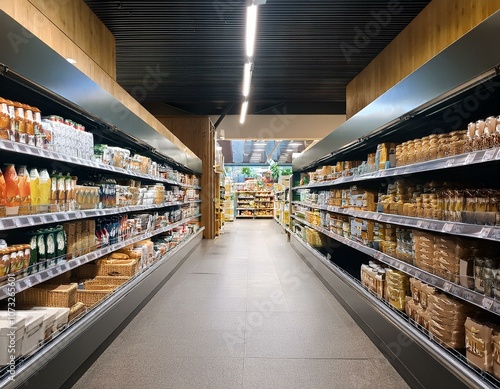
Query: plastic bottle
pixel 54 198
pixel 3 195
pixel 12 184
pixel 24 190
pixel 35 190
pixel 45 190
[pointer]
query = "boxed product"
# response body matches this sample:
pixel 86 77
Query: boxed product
pixel 60 316
pixel 479 345
pixel 34 330
pixel 448 316
pixel 7 325
pixel 496 355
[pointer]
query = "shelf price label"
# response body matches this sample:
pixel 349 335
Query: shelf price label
pixel 450 162
pixel 489 155
pixel 469 158
pixel 487 303
pixel 496 308
pixel 447 286
pixel 485 231
pixel 469 296
pixel 448 227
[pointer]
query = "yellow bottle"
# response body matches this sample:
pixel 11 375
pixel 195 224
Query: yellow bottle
pixel 45 189
pixel 35 190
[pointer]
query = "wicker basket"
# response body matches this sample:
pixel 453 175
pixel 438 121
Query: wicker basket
pixel 62 296
pixel 106 281
pixel 91 297
pixel 64 278
pixel 87 270
pixel 112 267
pixel 76 310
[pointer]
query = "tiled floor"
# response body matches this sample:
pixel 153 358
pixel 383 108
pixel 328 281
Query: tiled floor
pixel 243 312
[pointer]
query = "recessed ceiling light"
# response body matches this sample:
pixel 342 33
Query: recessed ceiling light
pixel 71 60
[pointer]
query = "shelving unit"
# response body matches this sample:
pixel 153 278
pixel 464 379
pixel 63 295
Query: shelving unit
pixel 282 205
pixel 423 362
pixel 228 200
pixel 254 204
pixel 60 355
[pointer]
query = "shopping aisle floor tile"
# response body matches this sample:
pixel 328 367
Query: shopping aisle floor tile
pixel 243 311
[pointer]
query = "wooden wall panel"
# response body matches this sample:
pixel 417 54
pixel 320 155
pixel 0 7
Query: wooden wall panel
pixel 438 25
pixel 197 134
pixel 75 19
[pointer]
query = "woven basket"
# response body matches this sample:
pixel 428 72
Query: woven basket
pixel 75 310
pixel 106 281
pixel 61 296
pixel 112 267
pixel 91 297
pixel 87 270
pixel 64 278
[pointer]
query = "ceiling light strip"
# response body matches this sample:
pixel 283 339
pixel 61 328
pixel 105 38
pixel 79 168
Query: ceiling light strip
pixel 244 108
pixel 247 76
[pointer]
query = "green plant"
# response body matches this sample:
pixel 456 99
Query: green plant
pixel 286 172
pixel 246 171
pixel 275 170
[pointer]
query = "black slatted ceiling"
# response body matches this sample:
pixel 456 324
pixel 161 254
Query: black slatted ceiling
pixel 198 48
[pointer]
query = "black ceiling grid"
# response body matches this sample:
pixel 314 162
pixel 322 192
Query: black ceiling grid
pixel 197 51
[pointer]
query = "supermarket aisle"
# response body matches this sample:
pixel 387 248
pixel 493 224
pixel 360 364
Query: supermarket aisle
pixel 244 311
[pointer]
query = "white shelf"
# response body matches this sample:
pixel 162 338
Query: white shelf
pixel 456 290
pixel 8 223
pixel 454 228
pixel 20 148
pixel 467 159
pixel 44 275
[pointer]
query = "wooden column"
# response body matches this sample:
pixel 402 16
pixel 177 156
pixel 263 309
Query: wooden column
pixel 197 134
pixel 439 24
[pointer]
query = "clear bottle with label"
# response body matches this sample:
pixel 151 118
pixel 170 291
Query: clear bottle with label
pixel 3 195
pixel 54 198
pixel 45 190
pixel 35 191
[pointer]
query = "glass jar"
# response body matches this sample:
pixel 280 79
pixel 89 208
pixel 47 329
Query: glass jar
pixel 5 122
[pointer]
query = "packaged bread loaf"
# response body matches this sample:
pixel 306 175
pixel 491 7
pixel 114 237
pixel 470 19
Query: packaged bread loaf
pixel 496 354
pixel 479 345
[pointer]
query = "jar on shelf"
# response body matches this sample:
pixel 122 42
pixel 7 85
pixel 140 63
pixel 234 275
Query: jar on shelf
pixel 5 120
pixel 20 122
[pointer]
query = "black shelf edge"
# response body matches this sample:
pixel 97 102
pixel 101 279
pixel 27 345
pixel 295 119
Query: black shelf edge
pixel 478 231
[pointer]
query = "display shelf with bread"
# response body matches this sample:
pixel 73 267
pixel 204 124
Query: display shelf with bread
pixel 465 293
pixel 401 186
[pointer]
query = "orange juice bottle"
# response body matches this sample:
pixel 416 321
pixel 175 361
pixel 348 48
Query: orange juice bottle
pixel 12 184
pixel 45 189
pixel 24 190
pixel 3 195
pixel 35 190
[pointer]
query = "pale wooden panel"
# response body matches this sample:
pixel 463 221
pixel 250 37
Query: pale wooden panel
pixel 197 134
pixel 438 25
pixel 75 19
